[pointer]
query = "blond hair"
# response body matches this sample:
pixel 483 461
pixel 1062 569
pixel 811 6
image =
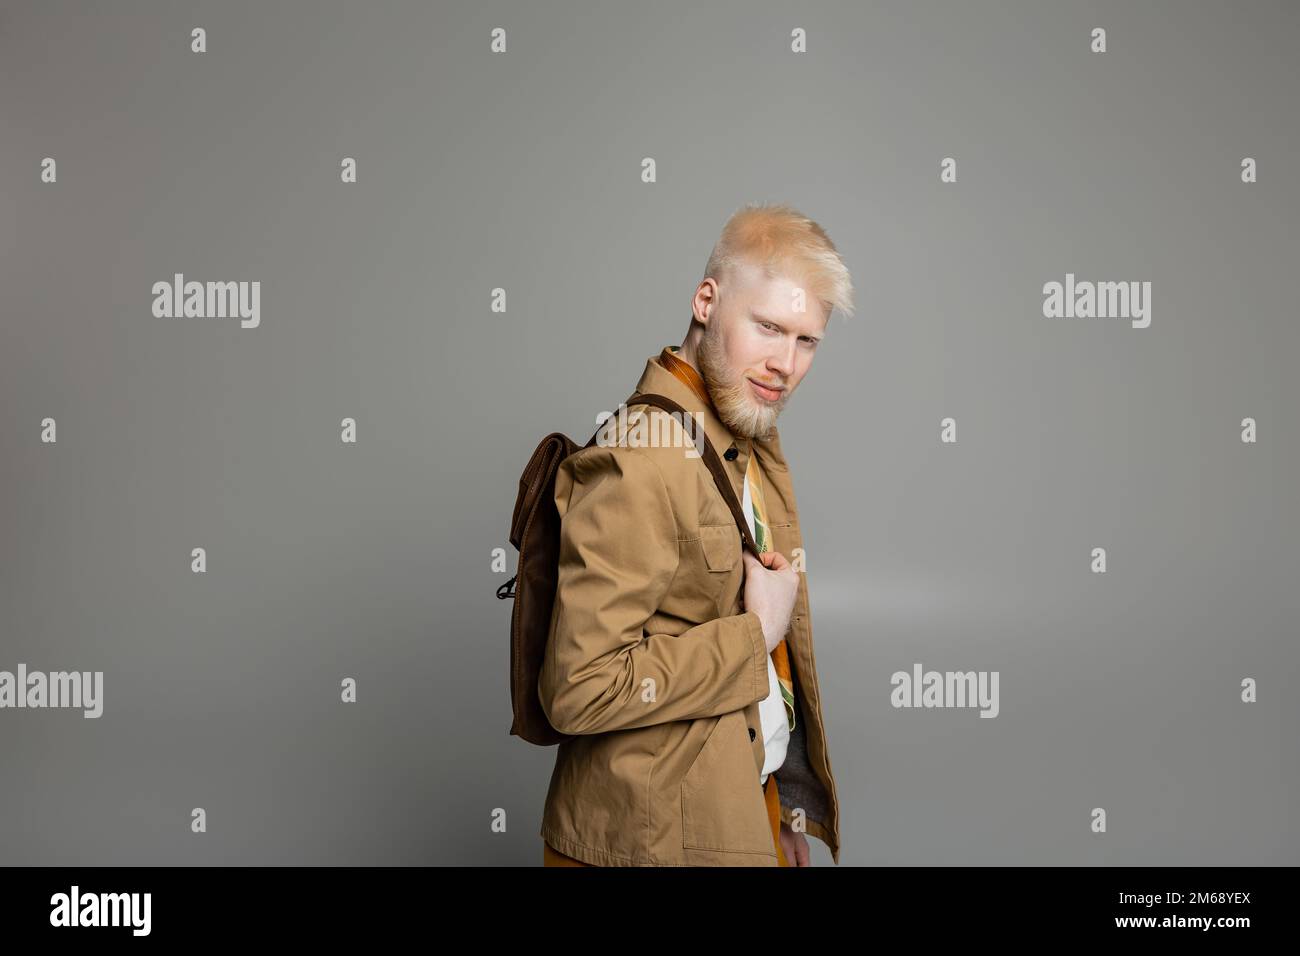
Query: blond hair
pixel 781 240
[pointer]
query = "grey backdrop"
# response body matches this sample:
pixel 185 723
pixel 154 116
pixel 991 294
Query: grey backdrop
pixel 522 171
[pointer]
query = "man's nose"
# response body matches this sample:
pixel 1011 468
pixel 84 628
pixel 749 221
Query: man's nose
pixel 783 362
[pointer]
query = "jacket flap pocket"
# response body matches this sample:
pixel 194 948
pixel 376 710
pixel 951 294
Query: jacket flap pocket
pixel 723 805
pixel 721 544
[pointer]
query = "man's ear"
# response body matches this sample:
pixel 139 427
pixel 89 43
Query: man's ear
pixel 714 294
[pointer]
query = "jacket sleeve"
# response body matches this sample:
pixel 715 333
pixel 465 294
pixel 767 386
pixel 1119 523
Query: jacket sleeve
pixel 618 556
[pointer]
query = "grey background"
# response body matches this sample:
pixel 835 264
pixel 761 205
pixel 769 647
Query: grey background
pixel 522 171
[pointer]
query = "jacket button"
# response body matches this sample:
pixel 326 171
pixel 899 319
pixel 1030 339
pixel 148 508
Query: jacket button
pixel 751 733
pixel 731 453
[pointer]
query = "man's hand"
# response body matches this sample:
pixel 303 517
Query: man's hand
pixel 794 846
pixel 770 590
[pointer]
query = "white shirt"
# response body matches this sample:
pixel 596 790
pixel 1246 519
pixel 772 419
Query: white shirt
pixel 771 709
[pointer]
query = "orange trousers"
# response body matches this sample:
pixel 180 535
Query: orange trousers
pixel 552 857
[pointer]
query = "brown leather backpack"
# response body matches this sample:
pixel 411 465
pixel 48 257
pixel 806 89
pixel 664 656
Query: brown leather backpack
pixel 535 532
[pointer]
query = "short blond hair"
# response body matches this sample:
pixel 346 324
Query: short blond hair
pixel 781 240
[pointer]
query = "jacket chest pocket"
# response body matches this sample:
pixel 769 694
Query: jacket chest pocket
pixel 722 800
pixel 720 548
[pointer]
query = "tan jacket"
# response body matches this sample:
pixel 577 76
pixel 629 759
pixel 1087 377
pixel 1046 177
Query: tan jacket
pixel 655 668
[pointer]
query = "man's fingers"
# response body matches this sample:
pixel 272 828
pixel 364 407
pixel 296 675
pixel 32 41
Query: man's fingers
pixel 776 560
pixel 772 560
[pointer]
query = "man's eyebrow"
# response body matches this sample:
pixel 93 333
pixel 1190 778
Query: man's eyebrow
pixel 780 325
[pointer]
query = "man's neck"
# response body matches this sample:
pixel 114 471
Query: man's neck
pixel 687 351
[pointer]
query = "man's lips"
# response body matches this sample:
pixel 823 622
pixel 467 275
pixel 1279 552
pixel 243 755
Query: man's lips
pixel 765 392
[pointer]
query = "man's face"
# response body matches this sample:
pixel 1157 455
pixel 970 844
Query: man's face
pixel 755 338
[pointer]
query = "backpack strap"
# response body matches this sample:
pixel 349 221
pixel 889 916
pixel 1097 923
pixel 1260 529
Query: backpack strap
pixel 710 459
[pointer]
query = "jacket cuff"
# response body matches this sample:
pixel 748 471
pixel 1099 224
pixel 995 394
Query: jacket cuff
pixel 754 628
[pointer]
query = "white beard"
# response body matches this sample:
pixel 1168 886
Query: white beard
pixel 733 399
